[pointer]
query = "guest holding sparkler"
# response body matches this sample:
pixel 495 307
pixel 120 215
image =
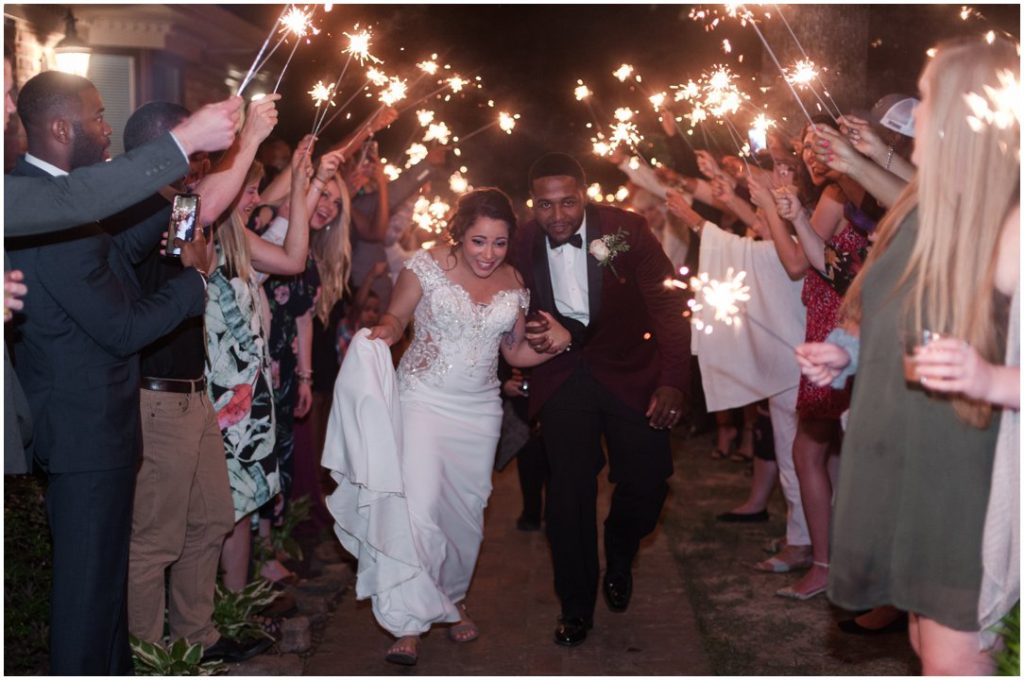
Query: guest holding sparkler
pixel 917 465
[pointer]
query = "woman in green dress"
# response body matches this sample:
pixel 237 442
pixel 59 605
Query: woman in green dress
pixel 917 459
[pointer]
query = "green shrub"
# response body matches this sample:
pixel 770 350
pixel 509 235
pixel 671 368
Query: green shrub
pixel 28 575
pixel 233 613
pixel 181 658
pixel 281 540
pixel 1008 660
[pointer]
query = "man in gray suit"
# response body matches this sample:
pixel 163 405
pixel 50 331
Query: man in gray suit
pixel 88 194
pixel 85 319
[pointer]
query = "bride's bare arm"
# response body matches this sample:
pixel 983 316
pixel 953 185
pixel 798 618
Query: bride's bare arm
pixel 404 298
pixel 517 350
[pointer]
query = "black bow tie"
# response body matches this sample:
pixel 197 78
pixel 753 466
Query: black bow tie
pixel 576 241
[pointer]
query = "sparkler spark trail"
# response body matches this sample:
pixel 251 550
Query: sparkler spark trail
pixel 775 60
pixel 424 117
pixel 801 75
pixel 416 153
pixel 429 67
pixel 430 215
pixel 582 91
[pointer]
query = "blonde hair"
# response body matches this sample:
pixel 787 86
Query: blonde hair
pixel 230 233
pixel 331 250
pixel 966 183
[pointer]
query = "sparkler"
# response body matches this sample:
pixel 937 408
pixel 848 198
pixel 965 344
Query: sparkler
pixel 430 215
pixel 458 184
pixel 800 47
pixel 438 132
pixel 775 59
pixel 999 107
pixel 802 73
pixel 623 72
pixel 297 22
pixel 321 95
pixel 724 298
pixel 254 67
pixel 506 121
pixel 394 92
pixel 584 94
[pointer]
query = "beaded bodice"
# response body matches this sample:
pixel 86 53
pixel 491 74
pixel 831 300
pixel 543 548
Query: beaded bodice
pixel 453 334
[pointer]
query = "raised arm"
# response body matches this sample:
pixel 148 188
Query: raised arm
pixel 836 152
pixel 219 188
pixel 791 255
pixel 290 258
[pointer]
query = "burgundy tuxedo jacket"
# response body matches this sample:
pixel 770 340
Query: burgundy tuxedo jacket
pixel 637 339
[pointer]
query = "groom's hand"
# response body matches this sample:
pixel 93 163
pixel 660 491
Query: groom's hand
pixel 666 408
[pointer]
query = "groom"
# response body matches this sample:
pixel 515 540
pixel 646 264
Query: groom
pixel 600 271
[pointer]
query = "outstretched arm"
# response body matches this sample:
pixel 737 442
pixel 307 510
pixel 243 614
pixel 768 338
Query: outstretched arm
pixel 289 258
pixel 404 298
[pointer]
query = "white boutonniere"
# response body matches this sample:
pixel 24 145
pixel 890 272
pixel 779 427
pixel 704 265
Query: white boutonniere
pixel 608 247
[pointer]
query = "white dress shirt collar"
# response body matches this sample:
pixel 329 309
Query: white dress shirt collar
pixel 44 166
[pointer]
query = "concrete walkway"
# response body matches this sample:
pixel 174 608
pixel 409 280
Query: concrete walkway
pixel 512 599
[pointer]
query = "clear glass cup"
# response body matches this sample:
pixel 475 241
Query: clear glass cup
pixel 912 342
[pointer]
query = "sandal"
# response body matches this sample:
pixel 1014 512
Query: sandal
pixel 791 593
pixel 465 630
pixel 778 564
pixel 270 625
pixel 403 652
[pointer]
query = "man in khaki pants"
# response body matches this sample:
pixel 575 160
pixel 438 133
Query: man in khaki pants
pixel 183 508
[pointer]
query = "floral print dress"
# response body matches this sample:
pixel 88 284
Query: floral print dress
pixel 239 385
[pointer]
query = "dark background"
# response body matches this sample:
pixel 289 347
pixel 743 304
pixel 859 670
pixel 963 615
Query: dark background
pixel 529 57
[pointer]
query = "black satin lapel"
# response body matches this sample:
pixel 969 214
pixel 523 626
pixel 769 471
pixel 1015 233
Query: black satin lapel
pixel 542 275
pixel 595 273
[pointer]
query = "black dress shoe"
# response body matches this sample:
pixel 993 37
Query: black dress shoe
pixel 618 588
pixel 572 631
pixel 743 516
pixel 897 625
pixel 232 651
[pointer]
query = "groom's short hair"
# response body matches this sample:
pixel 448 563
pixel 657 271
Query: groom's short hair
pixel 556 164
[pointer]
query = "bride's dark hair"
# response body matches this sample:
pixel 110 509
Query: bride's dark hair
pixel 486 202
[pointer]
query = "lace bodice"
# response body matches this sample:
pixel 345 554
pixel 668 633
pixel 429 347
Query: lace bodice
pixel 456 340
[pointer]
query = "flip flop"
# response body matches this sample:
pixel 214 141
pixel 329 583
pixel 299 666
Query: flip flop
pixel 464 631
pixel 791 594
pixel 774 565
pixel 401 657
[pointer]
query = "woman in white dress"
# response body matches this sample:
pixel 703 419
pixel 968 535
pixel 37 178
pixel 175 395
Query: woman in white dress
pixel 468 304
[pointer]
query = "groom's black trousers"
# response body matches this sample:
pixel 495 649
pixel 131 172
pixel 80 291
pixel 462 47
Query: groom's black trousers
pixel 640 459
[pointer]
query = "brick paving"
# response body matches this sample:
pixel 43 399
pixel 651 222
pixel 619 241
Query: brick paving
pixel 512 599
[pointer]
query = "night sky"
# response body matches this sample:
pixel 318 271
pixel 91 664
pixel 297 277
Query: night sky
pixel 529 57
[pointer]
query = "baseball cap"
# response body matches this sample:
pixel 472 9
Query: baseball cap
pixel 895 112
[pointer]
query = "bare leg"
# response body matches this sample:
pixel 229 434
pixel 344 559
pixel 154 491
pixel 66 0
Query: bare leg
pixel 879 617
pixel 945 651
pixel 761 487
pixel 745 450
pixel 810 455
pixel 725 433
pixel 234 556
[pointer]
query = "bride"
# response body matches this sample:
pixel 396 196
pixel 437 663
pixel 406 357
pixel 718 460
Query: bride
pixel 468 304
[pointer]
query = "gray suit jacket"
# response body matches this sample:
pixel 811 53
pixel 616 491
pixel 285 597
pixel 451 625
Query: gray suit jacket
pixel 36 205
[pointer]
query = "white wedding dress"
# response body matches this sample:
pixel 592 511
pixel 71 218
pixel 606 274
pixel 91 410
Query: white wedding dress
pixel 451 414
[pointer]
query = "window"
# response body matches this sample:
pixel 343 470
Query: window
pixel 114 77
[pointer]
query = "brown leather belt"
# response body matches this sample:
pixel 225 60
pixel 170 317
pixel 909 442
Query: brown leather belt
pixel 169 385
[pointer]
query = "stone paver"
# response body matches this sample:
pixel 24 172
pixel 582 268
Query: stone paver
pixel 512 599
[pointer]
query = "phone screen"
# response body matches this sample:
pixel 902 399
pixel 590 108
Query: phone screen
pixel 184 216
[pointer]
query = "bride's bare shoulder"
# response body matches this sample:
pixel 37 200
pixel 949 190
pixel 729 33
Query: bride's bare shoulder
pixel 513 278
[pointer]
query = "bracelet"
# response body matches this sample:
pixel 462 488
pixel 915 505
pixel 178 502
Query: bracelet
pixel 303 380
pixel 305 374
pixel 888 159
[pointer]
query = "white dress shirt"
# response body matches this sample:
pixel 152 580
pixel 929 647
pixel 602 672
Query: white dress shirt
pixel 568 267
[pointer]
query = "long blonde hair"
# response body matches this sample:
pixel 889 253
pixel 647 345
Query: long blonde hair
pixel 965 185
pixel 332 252
pixel 230 233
